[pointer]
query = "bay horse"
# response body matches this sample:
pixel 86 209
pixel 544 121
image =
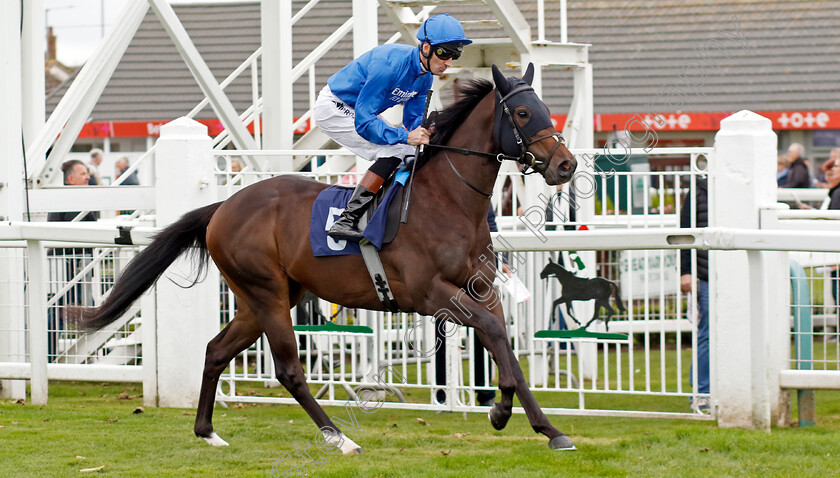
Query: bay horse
pixel 259 239
pixel 581 288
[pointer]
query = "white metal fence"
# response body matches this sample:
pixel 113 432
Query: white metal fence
pixel 570 375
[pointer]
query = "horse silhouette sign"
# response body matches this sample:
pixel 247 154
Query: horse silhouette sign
pixel 578 288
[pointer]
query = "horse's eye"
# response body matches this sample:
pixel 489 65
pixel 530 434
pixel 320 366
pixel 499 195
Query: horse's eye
pixel 523 114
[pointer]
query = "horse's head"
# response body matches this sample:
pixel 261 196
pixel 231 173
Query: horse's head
pixel 523 129
pixel 548 270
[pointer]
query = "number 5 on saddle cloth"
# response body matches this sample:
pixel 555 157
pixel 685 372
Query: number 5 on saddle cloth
pixel 379 224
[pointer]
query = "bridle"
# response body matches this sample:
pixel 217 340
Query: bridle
pixel 525 157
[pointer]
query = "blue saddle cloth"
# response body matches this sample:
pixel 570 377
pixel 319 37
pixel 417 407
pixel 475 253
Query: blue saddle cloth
pixel 328 207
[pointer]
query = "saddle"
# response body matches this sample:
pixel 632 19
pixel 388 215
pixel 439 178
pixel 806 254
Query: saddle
pixel 379 225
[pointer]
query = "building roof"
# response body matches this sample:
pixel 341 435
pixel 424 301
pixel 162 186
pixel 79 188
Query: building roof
pixel 647 55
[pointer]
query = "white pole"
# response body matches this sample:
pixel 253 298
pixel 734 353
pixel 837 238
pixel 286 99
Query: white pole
pixel 186 318
pixel 278 112
pixel 33 50
pixel 365 26
pixel 36 293
pixel 777 314
pixel 12 319
pixel 564 24
pixel 742 174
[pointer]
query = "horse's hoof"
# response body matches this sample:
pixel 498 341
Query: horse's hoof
pixel 344 443
pixel 562 443
pixel 214 440
pixel 498 418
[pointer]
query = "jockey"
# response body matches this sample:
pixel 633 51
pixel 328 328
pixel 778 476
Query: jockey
pixel 348 107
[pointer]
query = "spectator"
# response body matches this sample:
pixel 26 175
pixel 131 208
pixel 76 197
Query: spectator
pixel 121 166
pixel 782 169
pixel 96 156
pixel 832 178
pixel 75 174
pixel 235 165
pixel 799 176
pixel 825 168
pixel 701 405
pixel 73 259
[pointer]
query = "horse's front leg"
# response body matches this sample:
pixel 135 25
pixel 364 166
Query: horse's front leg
pixel 561 301
pixel 481 314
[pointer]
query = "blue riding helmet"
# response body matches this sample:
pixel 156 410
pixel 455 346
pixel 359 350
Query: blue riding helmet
pixel 442 29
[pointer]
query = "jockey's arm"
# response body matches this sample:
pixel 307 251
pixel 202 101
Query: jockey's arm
pixel 372 100
pixel 413 110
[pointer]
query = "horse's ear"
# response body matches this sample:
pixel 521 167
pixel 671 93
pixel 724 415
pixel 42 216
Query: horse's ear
pixel 529 74
pixel 500 80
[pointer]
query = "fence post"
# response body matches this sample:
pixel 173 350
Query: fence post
pixel 37 321
pixel 742 182
pixel 12 319
pixel 777 311
pixel 186 318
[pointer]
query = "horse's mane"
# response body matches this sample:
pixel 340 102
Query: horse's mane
pixel 471 92
pixel 553 268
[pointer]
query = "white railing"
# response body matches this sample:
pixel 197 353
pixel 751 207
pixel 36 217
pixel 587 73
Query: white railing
pixel 653 316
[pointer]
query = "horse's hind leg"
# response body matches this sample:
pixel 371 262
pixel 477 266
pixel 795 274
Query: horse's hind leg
pixel 241 332
pixel 271 305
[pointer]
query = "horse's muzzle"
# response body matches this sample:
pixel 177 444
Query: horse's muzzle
pixel 560 171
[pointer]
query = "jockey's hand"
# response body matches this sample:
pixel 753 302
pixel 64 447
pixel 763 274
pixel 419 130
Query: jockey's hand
pixel 418 136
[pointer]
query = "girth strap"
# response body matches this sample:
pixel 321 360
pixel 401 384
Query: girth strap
pixel 377 275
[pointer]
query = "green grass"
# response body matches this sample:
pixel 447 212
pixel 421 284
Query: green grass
pixel 87 420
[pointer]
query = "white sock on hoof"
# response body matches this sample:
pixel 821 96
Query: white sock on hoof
pixel 214 440
pixel 344 443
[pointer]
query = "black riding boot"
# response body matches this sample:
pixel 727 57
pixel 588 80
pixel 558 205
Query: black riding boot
pixel 345 226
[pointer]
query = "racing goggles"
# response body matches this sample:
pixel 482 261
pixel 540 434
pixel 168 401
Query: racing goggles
pixel 448 51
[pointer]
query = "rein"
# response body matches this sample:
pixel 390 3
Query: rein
pixel 464 180
pixel 498 157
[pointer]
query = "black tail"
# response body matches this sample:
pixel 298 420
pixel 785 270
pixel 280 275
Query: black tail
pixel 617 296
pixel 147 267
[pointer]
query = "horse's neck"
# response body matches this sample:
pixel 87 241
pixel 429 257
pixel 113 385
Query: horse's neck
pixel 476 134
pixel 561 272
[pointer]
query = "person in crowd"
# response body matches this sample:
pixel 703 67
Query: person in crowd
pixel 799 175
pixel 833 158
pixel 122 165
pixel 74 259
pixel 701 274
pixel 96 156
pixel 782 169
pixel 75 174
pixel 348 108
pixel 832 179
pixel 236 165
